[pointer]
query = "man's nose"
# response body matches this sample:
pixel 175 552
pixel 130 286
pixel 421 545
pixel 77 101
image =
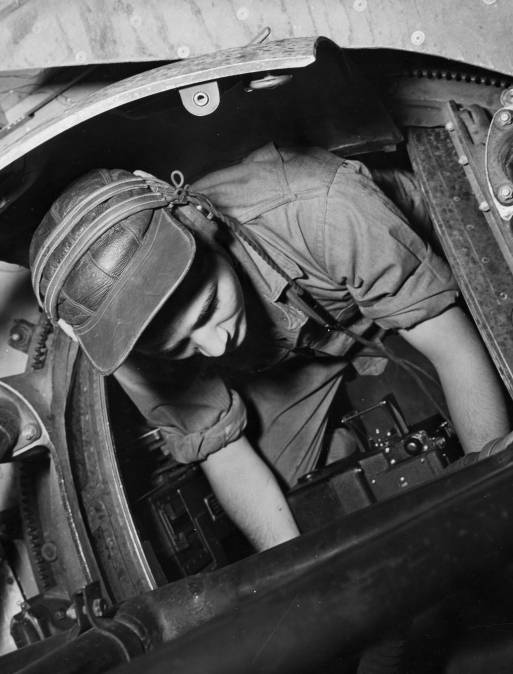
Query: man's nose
pixel 211 341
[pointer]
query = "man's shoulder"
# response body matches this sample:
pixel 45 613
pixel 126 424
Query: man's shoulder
pixel 269 176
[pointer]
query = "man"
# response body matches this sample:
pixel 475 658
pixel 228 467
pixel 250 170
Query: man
pixel 204 324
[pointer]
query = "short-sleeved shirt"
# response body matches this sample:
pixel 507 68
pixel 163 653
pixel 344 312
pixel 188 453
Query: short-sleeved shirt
pixel 326 224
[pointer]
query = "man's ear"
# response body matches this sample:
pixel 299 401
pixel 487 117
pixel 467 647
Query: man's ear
pixel 66 328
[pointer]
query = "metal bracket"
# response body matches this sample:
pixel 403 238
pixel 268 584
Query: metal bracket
pixel 499 157
pixel 32 432
pixel 201 99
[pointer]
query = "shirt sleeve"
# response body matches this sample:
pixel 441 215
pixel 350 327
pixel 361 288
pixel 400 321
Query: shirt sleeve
pixel 195 411
pixel 394 276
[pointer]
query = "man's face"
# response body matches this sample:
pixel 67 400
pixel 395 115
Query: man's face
pixel 213 322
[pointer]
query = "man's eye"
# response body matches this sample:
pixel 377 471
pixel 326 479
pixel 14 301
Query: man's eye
pixel 208 310
pixel 176 350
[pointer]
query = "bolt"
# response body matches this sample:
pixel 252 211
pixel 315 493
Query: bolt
pixel 99 606
pixel 504 117
pixel 201 99
pixel 463 160
pixel 30 432
pixel 505 192
pixel 484 206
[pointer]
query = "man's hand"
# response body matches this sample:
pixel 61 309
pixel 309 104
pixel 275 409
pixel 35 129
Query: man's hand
pixel 470 383
pixel 250 494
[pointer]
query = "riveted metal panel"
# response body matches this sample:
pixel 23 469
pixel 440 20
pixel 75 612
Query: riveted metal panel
pixel 35 34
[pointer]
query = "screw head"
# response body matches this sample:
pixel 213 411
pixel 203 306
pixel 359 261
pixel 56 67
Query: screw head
pixel 505 192
pixel 30 432
pixel 504 117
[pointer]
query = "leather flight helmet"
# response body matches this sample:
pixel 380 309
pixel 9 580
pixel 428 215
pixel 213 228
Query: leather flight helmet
pixel 105 258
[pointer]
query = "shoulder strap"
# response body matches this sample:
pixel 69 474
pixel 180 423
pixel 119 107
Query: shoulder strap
pixel 296 294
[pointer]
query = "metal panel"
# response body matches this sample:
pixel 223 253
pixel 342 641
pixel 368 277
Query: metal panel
pixel 46 124
pixel 35 34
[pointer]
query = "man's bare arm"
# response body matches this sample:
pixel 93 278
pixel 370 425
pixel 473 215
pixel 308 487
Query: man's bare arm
pixel 250 494
pixel 470 383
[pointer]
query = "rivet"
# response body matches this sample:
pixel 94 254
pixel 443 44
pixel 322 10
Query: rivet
pixel 392 462
pixel 15 336
pixel 484 206
pixel 503 295
pixel 417 38
pixel 242 13
pixel 80 56
pixel 470 227
pixel 485 260
pixel 183 51
pixel 449 126
pixel 360 5
pixel 463 160
pixel 135 20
